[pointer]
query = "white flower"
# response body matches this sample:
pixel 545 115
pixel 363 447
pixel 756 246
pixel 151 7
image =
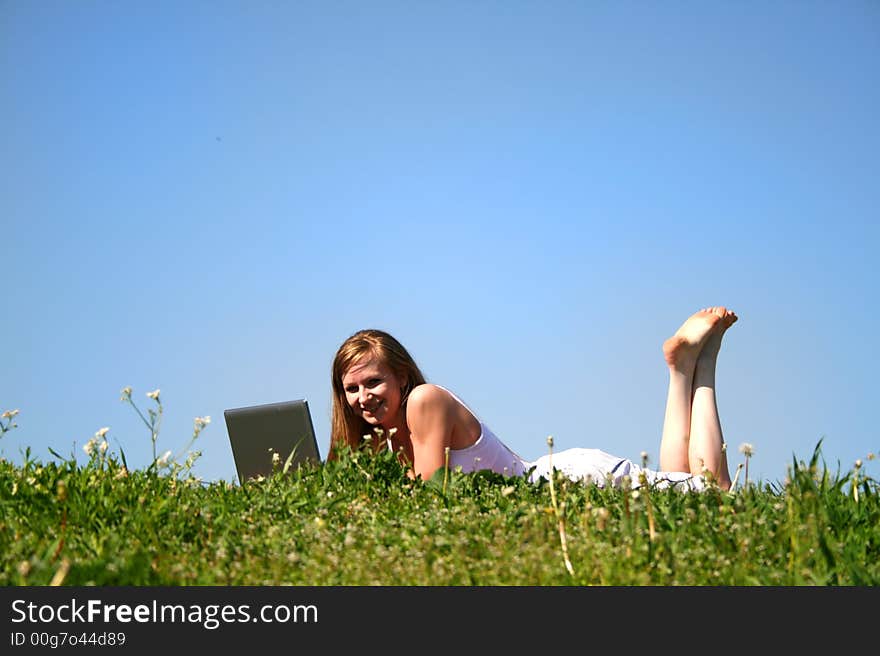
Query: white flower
pixel 276 458
pixel 163 459
pixel 154 394
pixel 103 446
pixel 102 432
pixel 9 414
pixel 746 449
pixel 89 446
pixel 201 422
pixel 126 393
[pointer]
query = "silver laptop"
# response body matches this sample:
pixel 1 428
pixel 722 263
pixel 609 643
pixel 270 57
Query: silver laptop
pixel 258 432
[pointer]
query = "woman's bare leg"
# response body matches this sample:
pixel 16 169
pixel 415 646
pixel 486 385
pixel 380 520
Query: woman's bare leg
pixel 705 450
pixel 682 351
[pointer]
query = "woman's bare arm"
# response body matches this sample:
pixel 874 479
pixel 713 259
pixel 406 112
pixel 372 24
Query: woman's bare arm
pixel 430 415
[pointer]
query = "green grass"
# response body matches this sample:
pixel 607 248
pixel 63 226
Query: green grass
pixel 360 521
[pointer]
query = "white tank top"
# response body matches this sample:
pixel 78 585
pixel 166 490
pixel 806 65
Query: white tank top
pixel 488 452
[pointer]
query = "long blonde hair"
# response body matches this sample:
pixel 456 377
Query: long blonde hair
pixel 346 427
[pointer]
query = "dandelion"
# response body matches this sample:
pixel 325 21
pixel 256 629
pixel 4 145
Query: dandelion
pixel 154 394
pixel 8 415
pixel 747 450
pixel 125 394
pixel 89 446
pixel 445 468
pixel 739 468
pixel 101 433
pixel 201 422
pixel 855 483
pixel 191 458
pixel 559 516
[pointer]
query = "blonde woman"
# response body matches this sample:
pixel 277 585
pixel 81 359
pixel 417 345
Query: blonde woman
pixel 378 385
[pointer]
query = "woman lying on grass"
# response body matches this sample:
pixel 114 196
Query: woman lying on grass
pixel 377 384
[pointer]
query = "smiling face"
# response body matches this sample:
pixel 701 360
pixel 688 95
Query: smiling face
pixel 373 392
pixel 371 377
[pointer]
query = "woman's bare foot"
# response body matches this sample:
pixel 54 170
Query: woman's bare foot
pixel 683 348
pixel 709 353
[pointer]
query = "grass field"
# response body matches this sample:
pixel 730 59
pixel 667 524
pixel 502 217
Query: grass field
pixel 360 521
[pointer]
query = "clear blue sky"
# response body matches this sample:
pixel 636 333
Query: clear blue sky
pixel 209 197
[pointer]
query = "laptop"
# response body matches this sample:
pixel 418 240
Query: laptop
pixel 258 432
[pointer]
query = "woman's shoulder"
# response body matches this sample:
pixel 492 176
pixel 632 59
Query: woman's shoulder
pixel 432 408
pixel 430 395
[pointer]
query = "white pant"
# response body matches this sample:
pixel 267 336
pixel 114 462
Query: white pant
pixel 596 466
